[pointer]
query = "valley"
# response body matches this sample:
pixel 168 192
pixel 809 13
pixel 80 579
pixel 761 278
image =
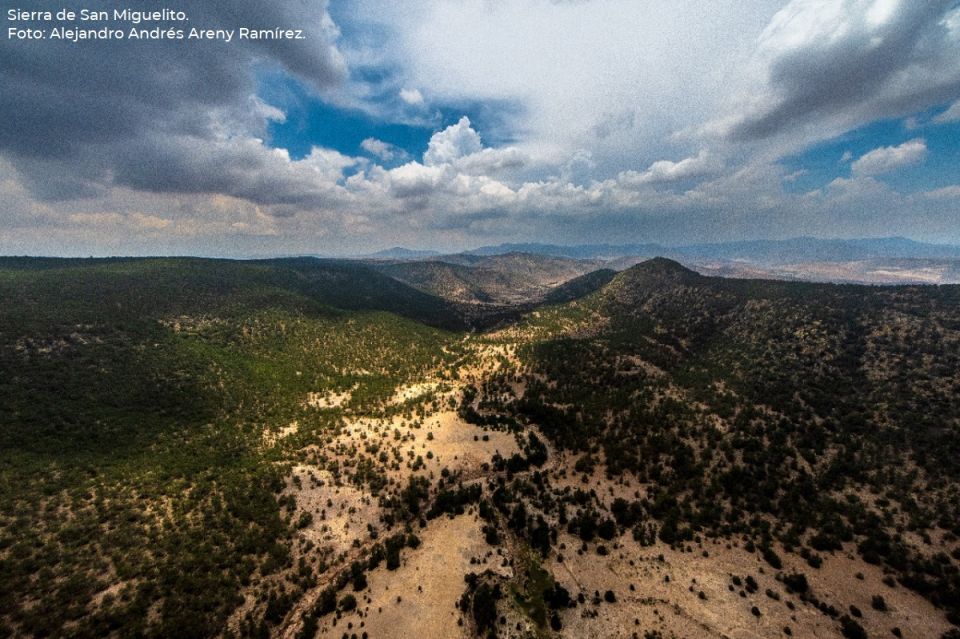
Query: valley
pixel 474 447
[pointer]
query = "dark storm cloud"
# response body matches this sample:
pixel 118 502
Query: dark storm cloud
pixel 77 115
pixel 239 167
pixel 885 60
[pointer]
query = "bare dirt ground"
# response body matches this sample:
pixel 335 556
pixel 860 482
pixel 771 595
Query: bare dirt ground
pixel 666 595
pixel 413 391
pixel 342 514
pixel 328 399
pixel 697 593
pixel 419 598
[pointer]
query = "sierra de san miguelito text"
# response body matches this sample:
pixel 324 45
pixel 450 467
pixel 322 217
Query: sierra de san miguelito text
pixel 133 16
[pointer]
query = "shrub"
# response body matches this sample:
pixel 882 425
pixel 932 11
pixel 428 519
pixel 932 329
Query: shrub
pixel 797 582
pixel 348 603
pixel 851 629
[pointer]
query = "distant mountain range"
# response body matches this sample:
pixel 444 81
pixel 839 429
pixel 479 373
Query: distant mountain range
pixel 888 260
pixel 577 252
pixel 800 249
pixel 399 253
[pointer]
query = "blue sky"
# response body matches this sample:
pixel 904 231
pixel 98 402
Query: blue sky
pixel 825 161
pixel 452 123
pixel 310 122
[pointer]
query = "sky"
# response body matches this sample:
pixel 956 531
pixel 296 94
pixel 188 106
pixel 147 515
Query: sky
pixel 451 124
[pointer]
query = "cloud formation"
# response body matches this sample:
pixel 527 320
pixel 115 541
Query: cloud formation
pixel 889 158
pixel 75 115
pixel 454 142
pixel 845 63
pixel 663 171
pixel 620 121
pixel 411 96
pixel 382 150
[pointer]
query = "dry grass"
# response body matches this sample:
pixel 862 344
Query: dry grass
pixel 675 607
pixel 428 584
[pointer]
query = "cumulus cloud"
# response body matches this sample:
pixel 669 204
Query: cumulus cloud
pixel 416 180
pixel 661 171
pixel 491 161
pixel 889 158
pixel 238 167
pixel 460 147
pixel 604 76
pixel 454 142
pixel 79 116
pixel 605 121
pixel 457 165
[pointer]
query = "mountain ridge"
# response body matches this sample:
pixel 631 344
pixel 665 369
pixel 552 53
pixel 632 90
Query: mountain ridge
pixel 778 250
pixel 309 445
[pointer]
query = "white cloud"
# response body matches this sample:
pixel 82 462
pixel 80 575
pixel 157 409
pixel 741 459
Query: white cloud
pixel 888 158
pixel 415 179
pixel 455 163
pixel 631 83
pixel 454 142
pixel 593 95
pixel 944 193
pixel 267 111
pixel 412 97
pixel 490 161
pixel 701 165
pixel 383 150
pixel 615 77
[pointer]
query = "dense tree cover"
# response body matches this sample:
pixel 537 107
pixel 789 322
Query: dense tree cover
pixel 141 490
pixel 136 491
pixel 813 415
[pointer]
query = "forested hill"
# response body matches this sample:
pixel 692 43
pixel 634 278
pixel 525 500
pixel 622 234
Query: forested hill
pixel 148 287
pixel 813 416
pixel 213 448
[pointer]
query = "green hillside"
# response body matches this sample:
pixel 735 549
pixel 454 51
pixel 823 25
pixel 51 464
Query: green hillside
pixel 808 415
pixel 152 412
pixel 133 406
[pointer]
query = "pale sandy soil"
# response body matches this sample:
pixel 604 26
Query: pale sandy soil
pixel 442 440
pixel 272 437
pixel 454 444
pixel 429 582
pixel 340 513
pixel 671 607
pixel 430 579
pixel 413 391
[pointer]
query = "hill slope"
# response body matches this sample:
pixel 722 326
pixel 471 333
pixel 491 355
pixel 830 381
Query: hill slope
pixel 797 418
pixel 512 278
pixel 301 448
